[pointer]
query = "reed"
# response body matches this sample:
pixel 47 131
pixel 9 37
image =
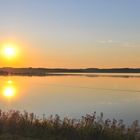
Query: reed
pixel 15 125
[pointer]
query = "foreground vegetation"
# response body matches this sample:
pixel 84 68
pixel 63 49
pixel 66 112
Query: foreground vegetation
pixel 15 125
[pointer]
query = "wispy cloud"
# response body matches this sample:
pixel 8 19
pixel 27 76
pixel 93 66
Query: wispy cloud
pixel 113 43
pixel 105 41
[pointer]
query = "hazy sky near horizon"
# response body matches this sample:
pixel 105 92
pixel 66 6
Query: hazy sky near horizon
pixel 72 33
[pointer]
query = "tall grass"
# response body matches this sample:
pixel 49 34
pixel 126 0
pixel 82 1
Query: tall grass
pixel 15 125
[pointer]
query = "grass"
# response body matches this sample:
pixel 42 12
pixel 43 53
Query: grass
pixel 15 125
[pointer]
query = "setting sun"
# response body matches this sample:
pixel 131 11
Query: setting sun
pixel 9 50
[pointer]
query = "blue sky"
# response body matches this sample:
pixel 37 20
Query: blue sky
pixel 75 30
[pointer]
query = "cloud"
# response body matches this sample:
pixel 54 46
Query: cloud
pixel 107 41
pixel 118 43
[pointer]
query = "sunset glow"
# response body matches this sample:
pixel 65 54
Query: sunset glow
pixel 70 69
pixel 9 51
pixel 57 36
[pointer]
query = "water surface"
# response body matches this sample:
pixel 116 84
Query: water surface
pixel 116 95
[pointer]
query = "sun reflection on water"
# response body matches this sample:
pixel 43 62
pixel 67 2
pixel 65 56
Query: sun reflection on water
pixel 9 90
pixel 9 81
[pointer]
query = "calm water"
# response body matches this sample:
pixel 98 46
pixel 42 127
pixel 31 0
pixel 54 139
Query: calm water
pixel 118 96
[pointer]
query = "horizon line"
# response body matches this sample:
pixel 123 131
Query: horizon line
pixel 75 68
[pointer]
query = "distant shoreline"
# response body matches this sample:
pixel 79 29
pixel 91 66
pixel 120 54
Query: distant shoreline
pixel 60 71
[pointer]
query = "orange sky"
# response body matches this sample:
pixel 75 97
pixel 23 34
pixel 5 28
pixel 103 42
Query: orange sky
pixel 102 55
pixel 71 34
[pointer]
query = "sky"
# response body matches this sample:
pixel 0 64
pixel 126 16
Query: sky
pixel 71 33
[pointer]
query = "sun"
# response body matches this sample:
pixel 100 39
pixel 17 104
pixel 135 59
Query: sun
pixel 9 50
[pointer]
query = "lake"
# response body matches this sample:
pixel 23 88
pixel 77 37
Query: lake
pixel 73 95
